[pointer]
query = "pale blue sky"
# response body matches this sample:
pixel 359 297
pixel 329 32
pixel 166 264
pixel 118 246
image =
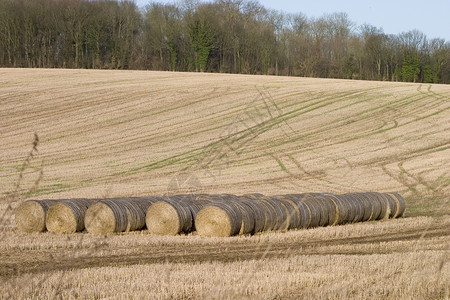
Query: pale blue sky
pixel 432 17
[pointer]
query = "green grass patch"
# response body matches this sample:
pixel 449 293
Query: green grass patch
pixel 49 189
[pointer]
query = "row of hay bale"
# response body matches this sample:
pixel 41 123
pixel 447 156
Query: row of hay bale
pixel 250 214
pixel 209 215
pixel 73 215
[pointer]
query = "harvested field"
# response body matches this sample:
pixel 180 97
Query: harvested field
pixel 109 134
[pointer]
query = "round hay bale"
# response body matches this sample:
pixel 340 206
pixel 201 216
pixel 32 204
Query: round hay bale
pixel 392 205
pixel 143 202
pixel 350 206
pixel 305 213
pixel 374 204
pixel 321 208
pixel 30 216
pixel 195 205
pixel 294 215
pixel 329 208
pixel 258 214
pixel 270 215
pixel 366 205
pixel 67 216
pixel 254 196
pixel 384 205
pixel 401 205
pixel 358 207
pixel 248 219
pixel 219 219
pixel 135 215
pixel 281 222
pixel 136 209
pixel 169 217
pixel 340 210
pixel 293 212
pixel 106 216
pixel 314 208
pixel 285 225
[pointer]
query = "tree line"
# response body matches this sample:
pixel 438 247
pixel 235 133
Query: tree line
pixel 229 36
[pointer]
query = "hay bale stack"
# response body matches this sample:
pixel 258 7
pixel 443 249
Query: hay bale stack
pixel 169 217
pixel 219 219
pixel 30 216
pixel 229 214
pixel 67 216
pixel 106 216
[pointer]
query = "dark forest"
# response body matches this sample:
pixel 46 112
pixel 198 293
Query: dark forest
pixel 228 36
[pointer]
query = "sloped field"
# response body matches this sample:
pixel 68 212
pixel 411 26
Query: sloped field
pixel 132 133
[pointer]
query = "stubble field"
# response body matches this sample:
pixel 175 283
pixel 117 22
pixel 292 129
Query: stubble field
pixel 133 133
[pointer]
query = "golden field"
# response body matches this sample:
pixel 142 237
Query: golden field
pixel 134 133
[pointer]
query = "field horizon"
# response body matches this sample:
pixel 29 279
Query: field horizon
pixel 103 133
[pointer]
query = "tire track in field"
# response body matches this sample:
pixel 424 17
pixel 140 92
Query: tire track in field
pixel 228 250
pixel 178 159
